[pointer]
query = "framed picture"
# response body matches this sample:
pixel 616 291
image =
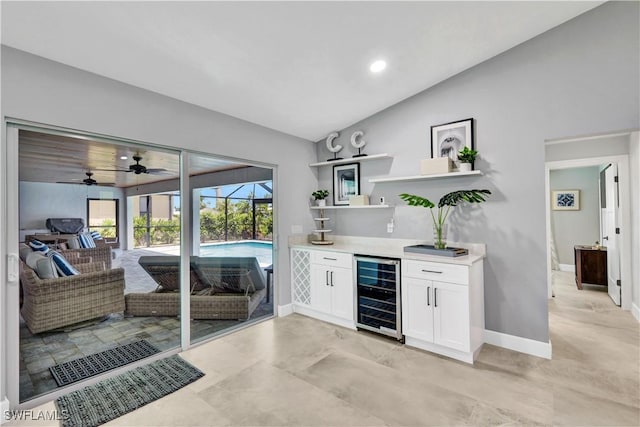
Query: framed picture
pixel 449 138
pixel 346 182
pixel 565 200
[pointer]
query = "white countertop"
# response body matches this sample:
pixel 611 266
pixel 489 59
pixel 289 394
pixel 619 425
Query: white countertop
pixel 390 248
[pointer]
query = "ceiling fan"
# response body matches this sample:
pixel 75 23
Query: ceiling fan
pixel 88 181
pixel 137 168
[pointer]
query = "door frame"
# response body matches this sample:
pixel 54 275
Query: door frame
pixel 625 216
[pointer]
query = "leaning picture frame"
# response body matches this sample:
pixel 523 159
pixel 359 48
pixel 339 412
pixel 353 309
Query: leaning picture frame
pixel 565 200
pixel 448 139
pixel 346 182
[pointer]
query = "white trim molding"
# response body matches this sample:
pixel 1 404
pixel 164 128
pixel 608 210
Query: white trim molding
pixel 522 345
pixel 4 406
pixel 635 310
pixel 285 310
pixel 567 267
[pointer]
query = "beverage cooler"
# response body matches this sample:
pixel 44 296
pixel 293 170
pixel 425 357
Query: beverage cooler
pixel 378 296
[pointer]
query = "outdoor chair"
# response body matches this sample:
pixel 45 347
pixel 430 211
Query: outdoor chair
pixel 222 288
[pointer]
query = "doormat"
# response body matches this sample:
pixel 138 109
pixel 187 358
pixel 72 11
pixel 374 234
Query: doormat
pixel 95 364
pixel 111 398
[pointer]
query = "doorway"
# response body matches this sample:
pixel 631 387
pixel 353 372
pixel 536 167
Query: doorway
pixel 619 264
pixel 119 175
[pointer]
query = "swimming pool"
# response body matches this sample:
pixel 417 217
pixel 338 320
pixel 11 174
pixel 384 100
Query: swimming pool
pixel 263 251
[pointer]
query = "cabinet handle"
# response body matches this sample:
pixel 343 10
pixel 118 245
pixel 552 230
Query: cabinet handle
pixel 428 292
pixel 435 297
pixel 432 271
pixel 330 259
pixel 332 278
pixel 326 277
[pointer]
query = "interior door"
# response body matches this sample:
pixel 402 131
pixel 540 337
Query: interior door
pixel 610 238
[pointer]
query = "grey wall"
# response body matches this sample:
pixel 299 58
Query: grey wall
pixel 578 79
pixel 587 148
pixel 576 227
pixel 44 91
pixel 39 201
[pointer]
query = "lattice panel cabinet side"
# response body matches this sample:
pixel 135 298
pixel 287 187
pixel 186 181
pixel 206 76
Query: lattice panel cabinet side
pixel 301 276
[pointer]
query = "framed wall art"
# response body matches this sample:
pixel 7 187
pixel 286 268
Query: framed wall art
pixel 449 138
pixel 565 200
pixel 346 182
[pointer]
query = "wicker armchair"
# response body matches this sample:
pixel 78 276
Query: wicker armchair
pixel 56 303
pixel 82 256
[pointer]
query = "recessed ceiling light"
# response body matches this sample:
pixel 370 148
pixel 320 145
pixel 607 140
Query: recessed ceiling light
pixel 378 66
pixel 123 157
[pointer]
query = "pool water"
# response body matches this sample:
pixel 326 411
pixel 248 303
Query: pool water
pixel 263 251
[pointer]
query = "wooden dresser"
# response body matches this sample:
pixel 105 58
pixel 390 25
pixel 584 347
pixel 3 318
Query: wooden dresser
pixel 591 265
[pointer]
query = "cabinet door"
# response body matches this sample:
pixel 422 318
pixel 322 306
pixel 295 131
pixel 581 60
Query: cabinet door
pixel 320 288
pixel 341 284
pixel 417 304
pixel 451 315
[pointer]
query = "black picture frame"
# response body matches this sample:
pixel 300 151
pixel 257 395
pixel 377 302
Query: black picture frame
pixel 346 182
pixel 449 138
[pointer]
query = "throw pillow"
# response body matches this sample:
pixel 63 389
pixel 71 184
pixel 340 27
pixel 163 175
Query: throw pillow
pixel 37 245
pixel 74 243
pixel 46 269
pixel 24 251
pixel 86 241
pixel 96 235
pixel 32 259
pixel 63 266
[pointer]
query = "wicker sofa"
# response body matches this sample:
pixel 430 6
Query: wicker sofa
pixel 56 303
pixel 222 288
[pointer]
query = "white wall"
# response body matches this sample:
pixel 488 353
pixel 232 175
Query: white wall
pixel 580 227
pixel 634 159
pixel 39 201
pixel 580 78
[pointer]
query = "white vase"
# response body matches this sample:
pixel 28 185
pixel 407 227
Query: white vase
pixel 464 167
pixel 321 203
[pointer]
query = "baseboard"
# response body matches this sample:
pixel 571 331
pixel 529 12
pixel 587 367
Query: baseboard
pixel 568 267
pixel 635 310
pixel 522 345
pixel 4 406
pixel 285 310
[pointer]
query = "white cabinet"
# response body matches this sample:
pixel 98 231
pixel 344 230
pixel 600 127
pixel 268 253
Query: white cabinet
pixel 443 308
pixel 329 287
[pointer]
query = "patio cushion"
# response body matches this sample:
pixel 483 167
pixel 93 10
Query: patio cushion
pixel 86 241
pixel 38 246
pixel 74 243
pixel 46 269
pixel 24 251
pixel 63 266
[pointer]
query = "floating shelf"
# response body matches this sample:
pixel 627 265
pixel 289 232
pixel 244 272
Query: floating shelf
pixel 352 160
pixel 425 177
pixel 322 230
pixel 352 207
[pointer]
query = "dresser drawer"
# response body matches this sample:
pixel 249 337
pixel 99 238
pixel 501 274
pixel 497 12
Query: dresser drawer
pixel 436 271
pixel 332 259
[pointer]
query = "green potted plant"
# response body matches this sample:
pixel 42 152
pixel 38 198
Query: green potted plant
pixel 319 196
pixel 445 204
pixel 466 156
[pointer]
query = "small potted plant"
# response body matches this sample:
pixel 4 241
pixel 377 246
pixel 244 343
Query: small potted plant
pixel 466 156
pixel 319 196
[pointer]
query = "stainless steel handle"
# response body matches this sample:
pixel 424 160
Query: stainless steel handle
pixel 435 297
pixel 332 278
pixel 330 259
pixel 432 271
pixel 428 292
pixel 326 277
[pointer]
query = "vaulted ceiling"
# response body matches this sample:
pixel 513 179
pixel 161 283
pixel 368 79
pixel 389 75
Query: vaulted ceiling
pixel 298 67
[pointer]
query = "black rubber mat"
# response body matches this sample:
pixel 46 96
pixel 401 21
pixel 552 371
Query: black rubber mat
pixel 95 364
